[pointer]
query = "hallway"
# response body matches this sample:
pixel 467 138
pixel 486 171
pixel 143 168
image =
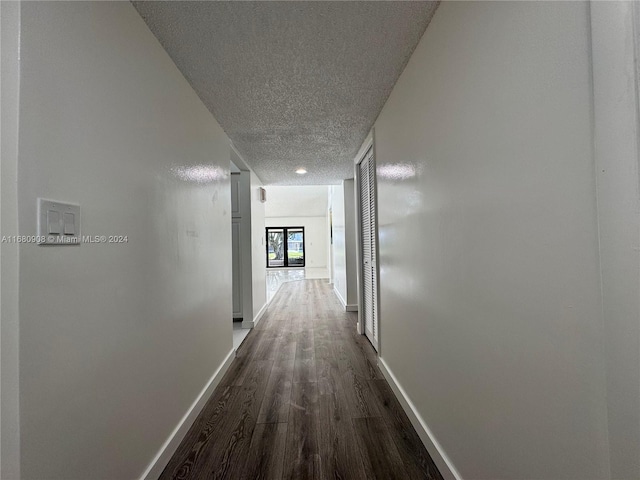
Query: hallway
pixel 492 150
pixel 303 399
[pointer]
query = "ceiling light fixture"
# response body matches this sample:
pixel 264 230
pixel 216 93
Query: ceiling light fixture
pixel 301 171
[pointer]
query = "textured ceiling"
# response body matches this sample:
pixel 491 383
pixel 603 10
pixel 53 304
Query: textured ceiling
pixel 293 84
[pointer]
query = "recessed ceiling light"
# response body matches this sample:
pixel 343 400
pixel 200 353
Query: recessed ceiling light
pixel 301 171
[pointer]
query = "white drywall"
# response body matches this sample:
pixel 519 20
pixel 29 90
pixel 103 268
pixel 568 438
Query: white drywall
pixel 315 236
pixel 336 197
pixel 297 201
pixel 302 206
pixel 344 243
pixel 258 249
pixel 491 314
pixel 351 252
pixel 616 147
pixel 9 252
pixel 116 340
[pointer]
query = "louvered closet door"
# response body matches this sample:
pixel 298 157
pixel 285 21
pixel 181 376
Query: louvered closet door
pixel 368 248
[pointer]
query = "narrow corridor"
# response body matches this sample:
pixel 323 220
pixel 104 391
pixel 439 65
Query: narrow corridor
pixel 303 399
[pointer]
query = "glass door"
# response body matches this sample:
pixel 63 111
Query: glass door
pixel 275 247
pixel 295 247
pixel 285 247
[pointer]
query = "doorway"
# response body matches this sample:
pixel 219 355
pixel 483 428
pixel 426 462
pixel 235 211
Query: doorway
pixel 285 247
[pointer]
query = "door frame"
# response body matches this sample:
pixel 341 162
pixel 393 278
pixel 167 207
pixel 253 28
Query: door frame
pixel 368 144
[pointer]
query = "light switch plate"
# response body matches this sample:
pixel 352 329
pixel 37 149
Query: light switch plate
pixel 58 223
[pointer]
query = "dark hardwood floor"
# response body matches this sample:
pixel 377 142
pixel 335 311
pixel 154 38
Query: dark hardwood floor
pixel 303 399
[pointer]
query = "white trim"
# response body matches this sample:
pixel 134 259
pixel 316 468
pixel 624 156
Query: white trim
pixel 169 447
pixel 347 307
pixel 244 166
pixel 258 316
pixel 442 461
pixel 366 145
pixel 344 304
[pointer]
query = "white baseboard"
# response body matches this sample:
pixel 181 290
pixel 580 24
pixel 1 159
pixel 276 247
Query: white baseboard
pixel 256 319
pixel 259 315
pixel 434 448
pixel 169 447
pixel 342 302
pixel 347 307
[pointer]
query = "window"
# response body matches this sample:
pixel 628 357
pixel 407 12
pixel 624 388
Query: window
pixel 281 253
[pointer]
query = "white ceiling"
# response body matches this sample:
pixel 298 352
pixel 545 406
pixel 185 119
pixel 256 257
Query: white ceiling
pixel 293 84
pixel 297 201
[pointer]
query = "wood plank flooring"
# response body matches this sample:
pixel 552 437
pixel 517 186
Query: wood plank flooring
pixel 304 399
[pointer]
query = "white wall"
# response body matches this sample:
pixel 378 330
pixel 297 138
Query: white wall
pixel 315 236
pixel 302 206
pixel 258 248
pixel 336 197
pixel 616 141
pixel 491 314
pixel 329 239
pixel 9 319
pixel 116 340
pixel 344 243
pixel 351 252
pixel 297 201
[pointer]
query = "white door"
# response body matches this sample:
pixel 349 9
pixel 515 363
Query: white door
pixel 367 176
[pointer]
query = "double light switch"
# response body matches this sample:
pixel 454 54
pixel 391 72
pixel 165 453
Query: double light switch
pixel 58 223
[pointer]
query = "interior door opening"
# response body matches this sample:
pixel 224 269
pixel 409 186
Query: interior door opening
pixel 285 247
